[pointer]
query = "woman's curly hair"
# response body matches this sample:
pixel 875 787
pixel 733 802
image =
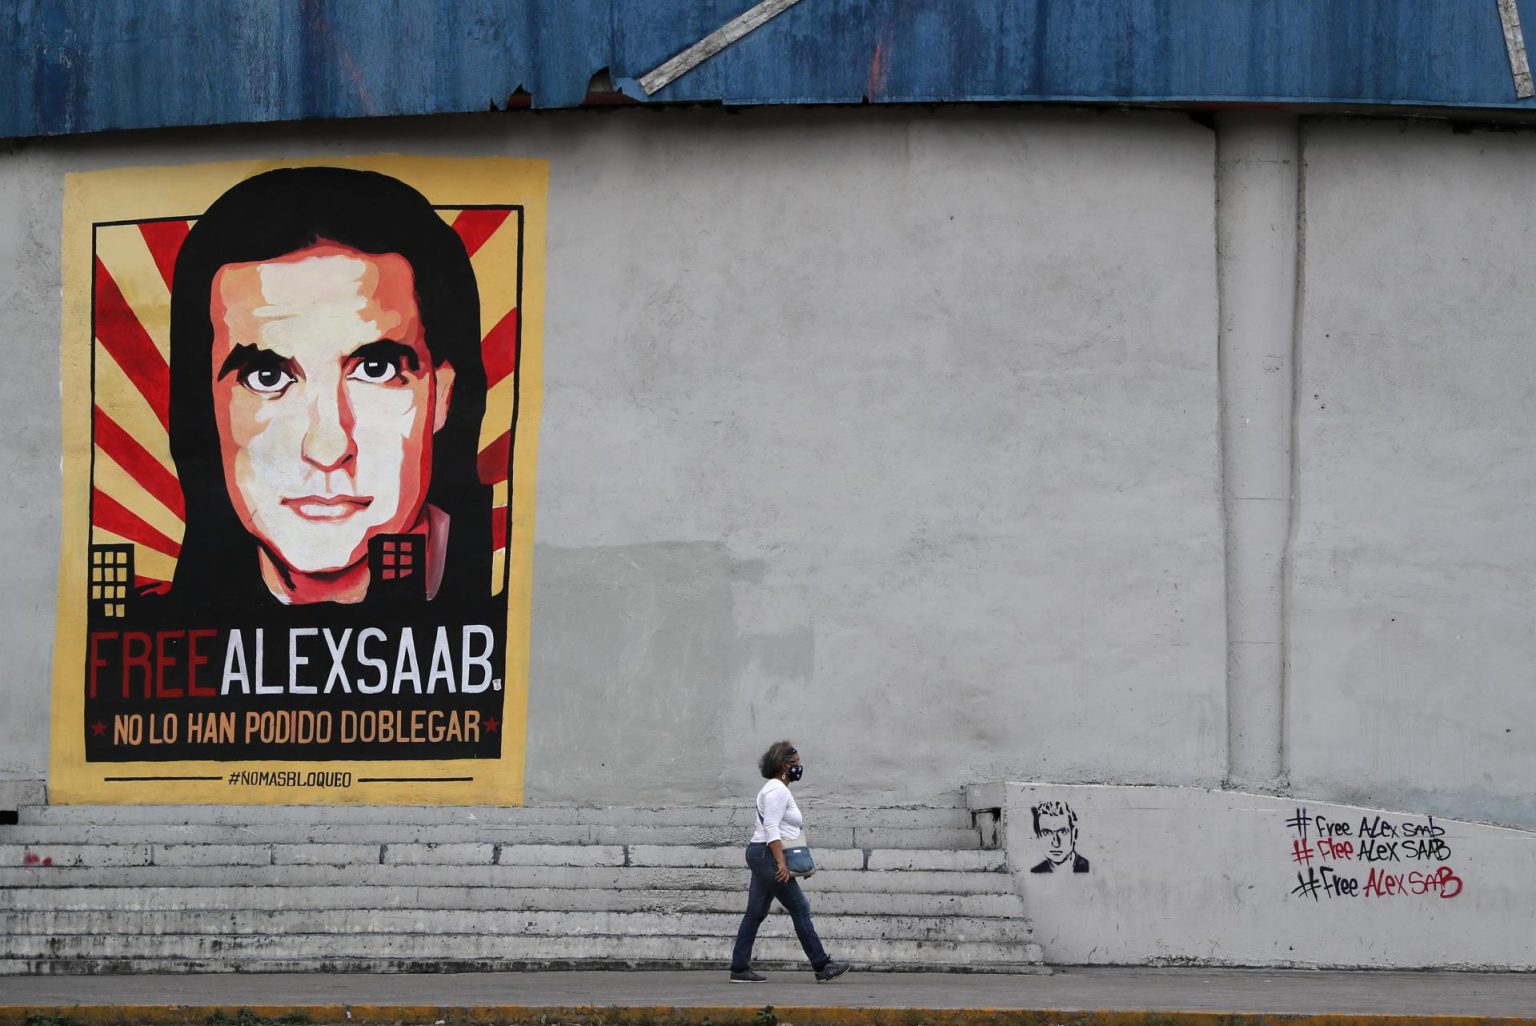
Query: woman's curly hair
pixel 774 759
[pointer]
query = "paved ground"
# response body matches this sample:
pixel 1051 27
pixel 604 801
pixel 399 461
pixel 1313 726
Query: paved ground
pixel 1303 992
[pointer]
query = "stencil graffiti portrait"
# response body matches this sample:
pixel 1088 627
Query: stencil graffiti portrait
pixel 301 410
pixel 1056 824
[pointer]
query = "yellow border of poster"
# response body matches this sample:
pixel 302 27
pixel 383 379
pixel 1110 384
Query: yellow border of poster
pixel 163 192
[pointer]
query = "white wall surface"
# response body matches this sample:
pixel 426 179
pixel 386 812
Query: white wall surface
pixel 1180 875
pixel 1413 614
pixel 893 432
pixel 895 435
pixel 31 194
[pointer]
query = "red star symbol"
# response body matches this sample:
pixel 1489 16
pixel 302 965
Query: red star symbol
pixel 492 725
pixel 98 728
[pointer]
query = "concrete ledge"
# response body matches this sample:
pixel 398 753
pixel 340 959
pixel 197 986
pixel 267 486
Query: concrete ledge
pixel 403 875
pixel 707 1015
pixel 37 837
pixel 1068 997
pixel 260 953
pixel 15 793
pixel 736 817
pixel 479 924
pixel 125 901
pixel 1188 876
pixel 62 968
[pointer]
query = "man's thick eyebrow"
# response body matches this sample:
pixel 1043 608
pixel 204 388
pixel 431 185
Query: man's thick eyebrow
pixel 252 357
pixel 388 349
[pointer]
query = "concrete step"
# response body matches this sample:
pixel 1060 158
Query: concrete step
pixel 161 966
pixel 422 923
pixel 472 854
pixel 732 900
pixel 455 952
pixel 820 815
pixel 828 858
pixel 512 876
pixel 37 836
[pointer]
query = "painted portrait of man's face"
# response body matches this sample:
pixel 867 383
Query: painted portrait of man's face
pixel 1060 837
pixel 326 401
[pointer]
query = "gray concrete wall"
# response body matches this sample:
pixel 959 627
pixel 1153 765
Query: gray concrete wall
pixel 895 435
pixel 902 433
pixel 31 195
pixel 1412 647
pixel 893 432
pixel 897 432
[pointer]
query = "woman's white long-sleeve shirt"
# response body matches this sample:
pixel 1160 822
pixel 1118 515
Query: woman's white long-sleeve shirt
pixel 778 817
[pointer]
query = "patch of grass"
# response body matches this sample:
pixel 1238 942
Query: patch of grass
pixel 50 1019
pixel 246 1017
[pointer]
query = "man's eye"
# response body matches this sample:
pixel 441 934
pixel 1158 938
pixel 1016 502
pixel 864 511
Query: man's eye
pixel 375 371
pixel 266 380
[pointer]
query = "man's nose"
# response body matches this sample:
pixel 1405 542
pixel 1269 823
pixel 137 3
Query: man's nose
pixel 328 443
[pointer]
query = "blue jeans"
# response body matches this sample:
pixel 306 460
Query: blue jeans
pixel 760 897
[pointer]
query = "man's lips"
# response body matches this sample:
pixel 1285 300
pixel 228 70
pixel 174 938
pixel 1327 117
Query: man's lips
pixel 328 507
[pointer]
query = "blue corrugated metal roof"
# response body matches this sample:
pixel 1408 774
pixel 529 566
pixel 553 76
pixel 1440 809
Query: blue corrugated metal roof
pixel 90 65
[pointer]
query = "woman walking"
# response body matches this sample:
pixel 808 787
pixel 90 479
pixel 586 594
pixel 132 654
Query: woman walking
pixel 778 821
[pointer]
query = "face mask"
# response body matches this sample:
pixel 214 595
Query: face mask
pixel 796 772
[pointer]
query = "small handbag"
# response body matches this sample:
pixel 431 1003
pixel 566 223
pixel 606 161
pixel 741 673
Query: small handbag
pixel 798 859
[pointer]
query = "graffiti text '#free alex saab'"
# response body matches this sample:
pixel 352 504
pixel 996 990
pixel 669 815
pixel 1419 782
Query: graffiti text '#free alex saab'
pixel 1400 857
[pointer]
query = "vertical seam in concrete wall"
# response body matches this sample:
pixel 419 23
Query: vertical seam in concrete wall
pixel 1257 175
pixel 1287 568
pixel 1221 457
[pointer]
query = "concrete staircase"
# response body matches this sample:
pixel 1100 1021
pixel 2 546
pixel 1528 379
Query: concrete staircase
pixel 90 889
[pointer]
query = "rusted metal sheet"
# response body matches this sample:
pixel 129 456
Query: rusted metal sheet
pixel 91 65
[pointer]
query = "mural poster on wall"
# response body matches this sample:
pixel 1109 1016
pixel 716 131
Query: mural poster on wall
pixel 300 414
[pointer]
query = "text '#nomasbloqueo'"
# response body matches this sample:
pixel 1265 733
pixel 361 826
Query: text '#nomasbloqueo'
pixel 288 778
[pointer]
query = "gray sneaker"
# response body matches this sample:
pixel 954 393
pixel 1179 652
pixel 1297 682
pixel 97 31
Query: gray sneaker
pixel 831 971
pixel 747 976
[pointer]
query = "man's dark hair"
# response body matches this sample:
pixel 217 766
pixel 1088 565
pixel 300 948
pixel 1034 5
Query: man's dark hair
pixel 774 758
pixel 272 215
pixel 1053 809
